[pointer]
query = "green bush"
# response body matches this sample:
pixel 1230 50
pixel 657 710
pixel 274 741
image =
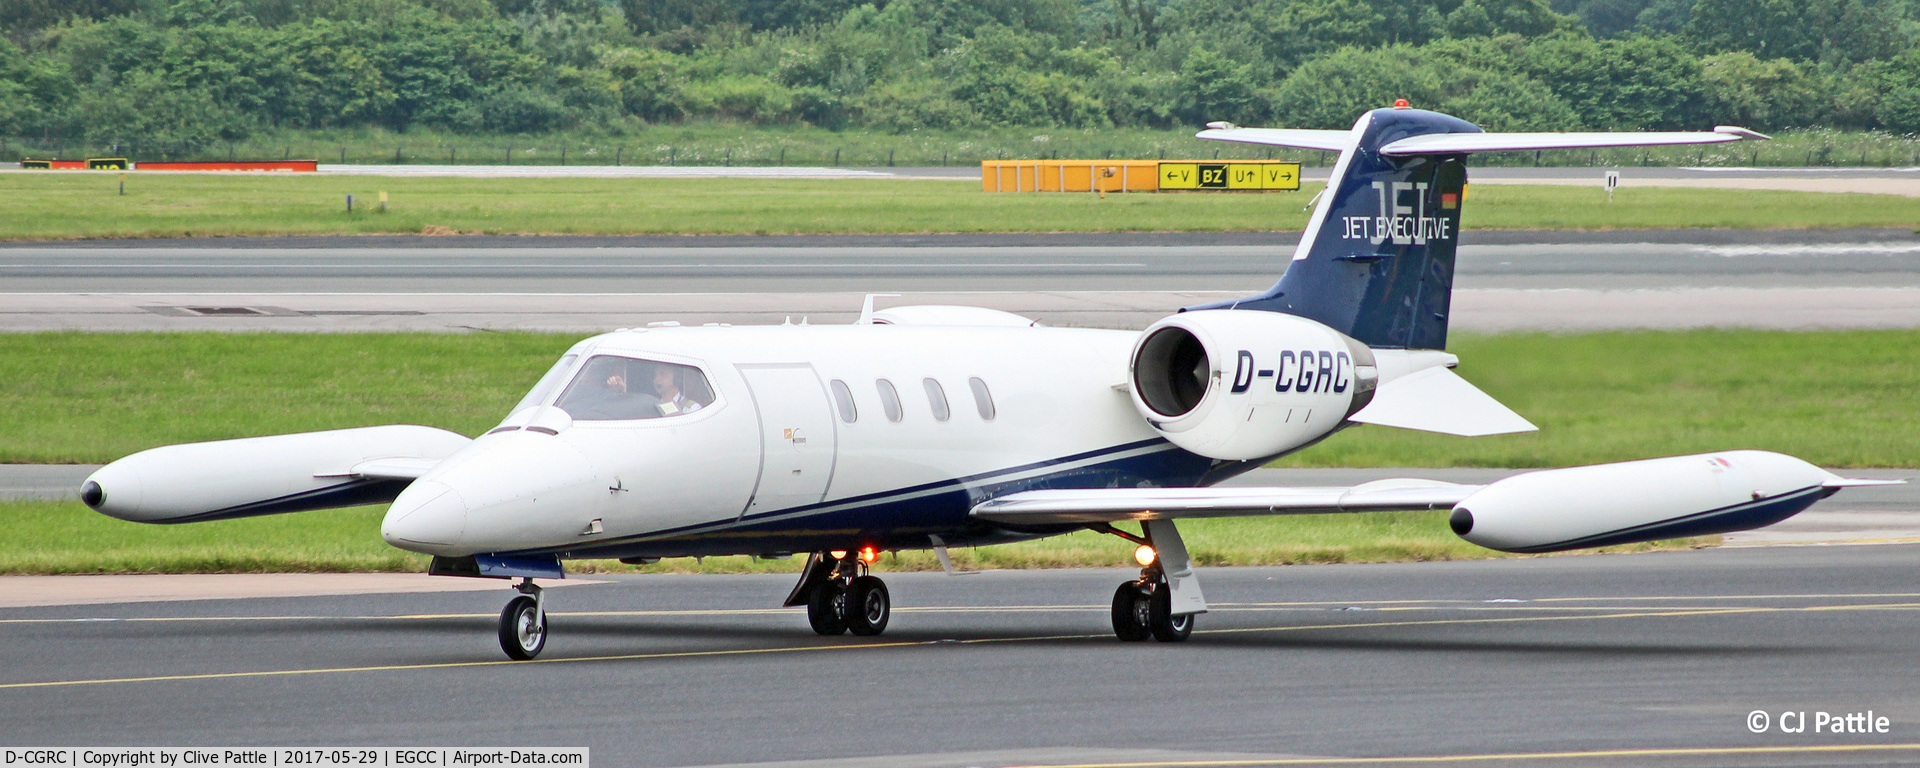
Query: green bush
pixel 189 73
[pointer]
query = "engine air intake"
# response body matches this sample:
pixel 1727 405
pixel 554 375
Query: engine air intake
pixel 1170 372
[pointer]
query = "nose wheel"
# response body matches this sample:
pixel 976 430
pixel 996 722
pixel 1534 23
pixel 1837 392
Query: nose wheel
pixel 842 599
pixel 523 623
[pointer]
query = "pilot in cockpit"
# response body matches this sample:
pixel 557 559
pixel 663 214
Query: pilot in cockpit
pixel 604 390
pixel 610 388
pixel 667 381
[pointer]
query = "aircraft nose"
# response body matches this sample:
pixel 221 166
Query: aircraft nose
pixel 428 517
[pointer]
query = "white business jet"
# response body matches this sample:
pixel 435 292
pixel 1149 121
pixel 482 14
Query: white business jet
pixel 930 427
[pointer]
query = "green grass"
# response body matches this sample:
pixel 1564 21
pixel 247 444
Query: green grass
pixel 1835 398
pixel 57 205
pixel 1839 399
pixel 65 537
pixel 94 397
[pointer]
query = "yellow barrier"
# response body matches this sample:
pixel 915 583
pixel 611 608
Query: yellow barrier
pixel 1137 175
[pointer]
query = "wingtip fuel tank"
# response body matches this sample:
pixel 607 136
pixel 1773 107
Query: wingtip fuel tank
pixel 261 475
pixel 1607 504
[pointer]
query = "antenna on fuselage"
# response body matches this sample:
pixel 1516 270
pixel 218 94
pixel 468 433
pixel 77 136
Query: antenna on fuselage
pixel 866 308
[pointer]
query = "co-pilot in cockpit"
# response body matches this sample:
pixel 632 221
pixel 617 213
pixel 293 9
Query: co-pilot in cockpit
pixel 610 388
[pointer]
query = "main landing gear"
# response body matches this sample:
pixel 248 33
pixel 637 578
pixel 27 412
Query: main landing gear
pixel 523 624
pixel 1143 609
pixel 841 596
pixel 1162 603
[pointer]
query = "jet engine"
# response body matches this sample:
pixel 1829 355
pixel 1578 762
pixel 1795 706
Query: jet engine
pixel 267 475
pixel 1674 497
pixel 1244 384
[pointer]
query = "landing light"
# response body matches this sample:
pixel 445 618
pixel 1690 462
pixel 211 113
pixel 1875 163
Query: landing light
pixel 838 554
pixel 868 555
pixel 1144 555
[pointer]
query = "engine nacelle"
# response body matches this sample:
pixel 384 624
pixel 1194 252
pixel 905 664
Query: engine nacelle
pixel 1247 384
pixel 260 475
pixel 1607 504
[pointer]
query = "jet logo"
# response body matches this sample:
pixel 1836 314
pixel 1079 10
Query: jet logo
pixel 1397 223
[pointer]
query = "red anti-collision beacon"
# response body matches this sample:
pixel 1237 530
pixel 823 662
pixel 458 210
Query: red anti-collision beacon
pixel 1401 104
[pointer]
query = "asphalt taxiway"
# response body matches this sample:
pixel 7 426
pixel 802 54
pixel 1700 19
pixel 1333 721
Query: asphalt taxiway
pixel 1603 660
pixel 1862 278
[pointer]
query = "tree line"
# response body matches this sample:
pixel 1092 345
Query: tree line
pixel 194 72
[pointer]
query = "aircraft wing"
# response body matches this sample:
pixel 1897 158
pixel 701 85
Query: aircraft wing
pixel 1454 143
pixel 1106 505
pixel 1331 141
pixel 400 468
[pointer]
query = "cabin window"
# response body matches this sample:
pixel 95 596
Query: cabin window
pixel 843 400
pixel 937 399
pixel 548 383
pixel 613 388
pixel 982 399
pixel 890 400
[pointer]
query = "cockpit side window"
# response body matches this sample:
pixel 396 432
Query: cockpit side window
pixel 611 388
pixel 548 383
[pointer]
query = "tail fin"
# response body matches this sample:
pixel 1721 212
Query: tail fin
pixel 1376 260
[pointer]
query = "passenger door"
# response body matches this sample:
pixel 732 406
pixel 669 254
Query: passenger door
pixel 797 436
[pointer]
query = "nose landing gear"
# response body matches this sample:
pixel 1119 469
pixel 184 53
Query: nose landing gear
pixel 842 597
pixel 523 624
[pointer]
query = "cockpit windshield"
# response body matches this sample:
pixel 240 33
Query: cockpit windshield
pixel 548 383
pixel 610 388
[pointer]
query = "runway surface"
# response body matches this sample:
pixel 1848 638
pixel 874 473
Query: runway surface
pixel 1505 280
pixel 1659 652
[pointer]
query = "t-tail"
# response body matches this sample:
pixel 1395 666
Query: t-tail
pixel 1376 261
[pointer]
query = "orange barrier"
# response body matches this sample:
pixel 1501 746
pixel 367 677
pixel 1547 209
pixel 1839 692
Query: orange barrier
pixel 298 166
pixel 1069 175
pixel 1137 175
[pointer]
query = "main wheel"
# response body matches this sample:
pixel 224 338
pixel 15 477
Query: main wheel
pixel 1131 612
pixel 868 606
pixel 1166 627
pixel 523 629
pixel 827 608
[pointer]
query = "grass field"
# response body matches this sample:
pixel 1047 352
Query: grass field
pixel 65 537
pixel 1835 398
pixel 87 205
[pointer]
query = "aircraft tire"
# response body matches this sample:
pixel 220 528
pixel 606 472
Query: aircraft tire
pixel 1131 613
pixel 827 608
pixel 1166 627
pixel 523 629
pixel 868 606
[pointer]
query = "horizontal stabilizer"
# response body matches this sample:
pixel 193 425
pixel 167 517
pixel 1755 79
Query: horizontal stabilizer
pixel 1438 400
pixel 1105 505
pixel 1456 143
pixel 1328 141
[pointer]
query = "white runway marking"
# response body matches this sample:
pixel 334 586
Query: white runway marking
pixel 1845 249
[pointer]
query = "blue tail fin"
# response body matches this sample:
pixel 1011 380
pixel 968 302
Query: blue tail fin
pixel 1376 261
